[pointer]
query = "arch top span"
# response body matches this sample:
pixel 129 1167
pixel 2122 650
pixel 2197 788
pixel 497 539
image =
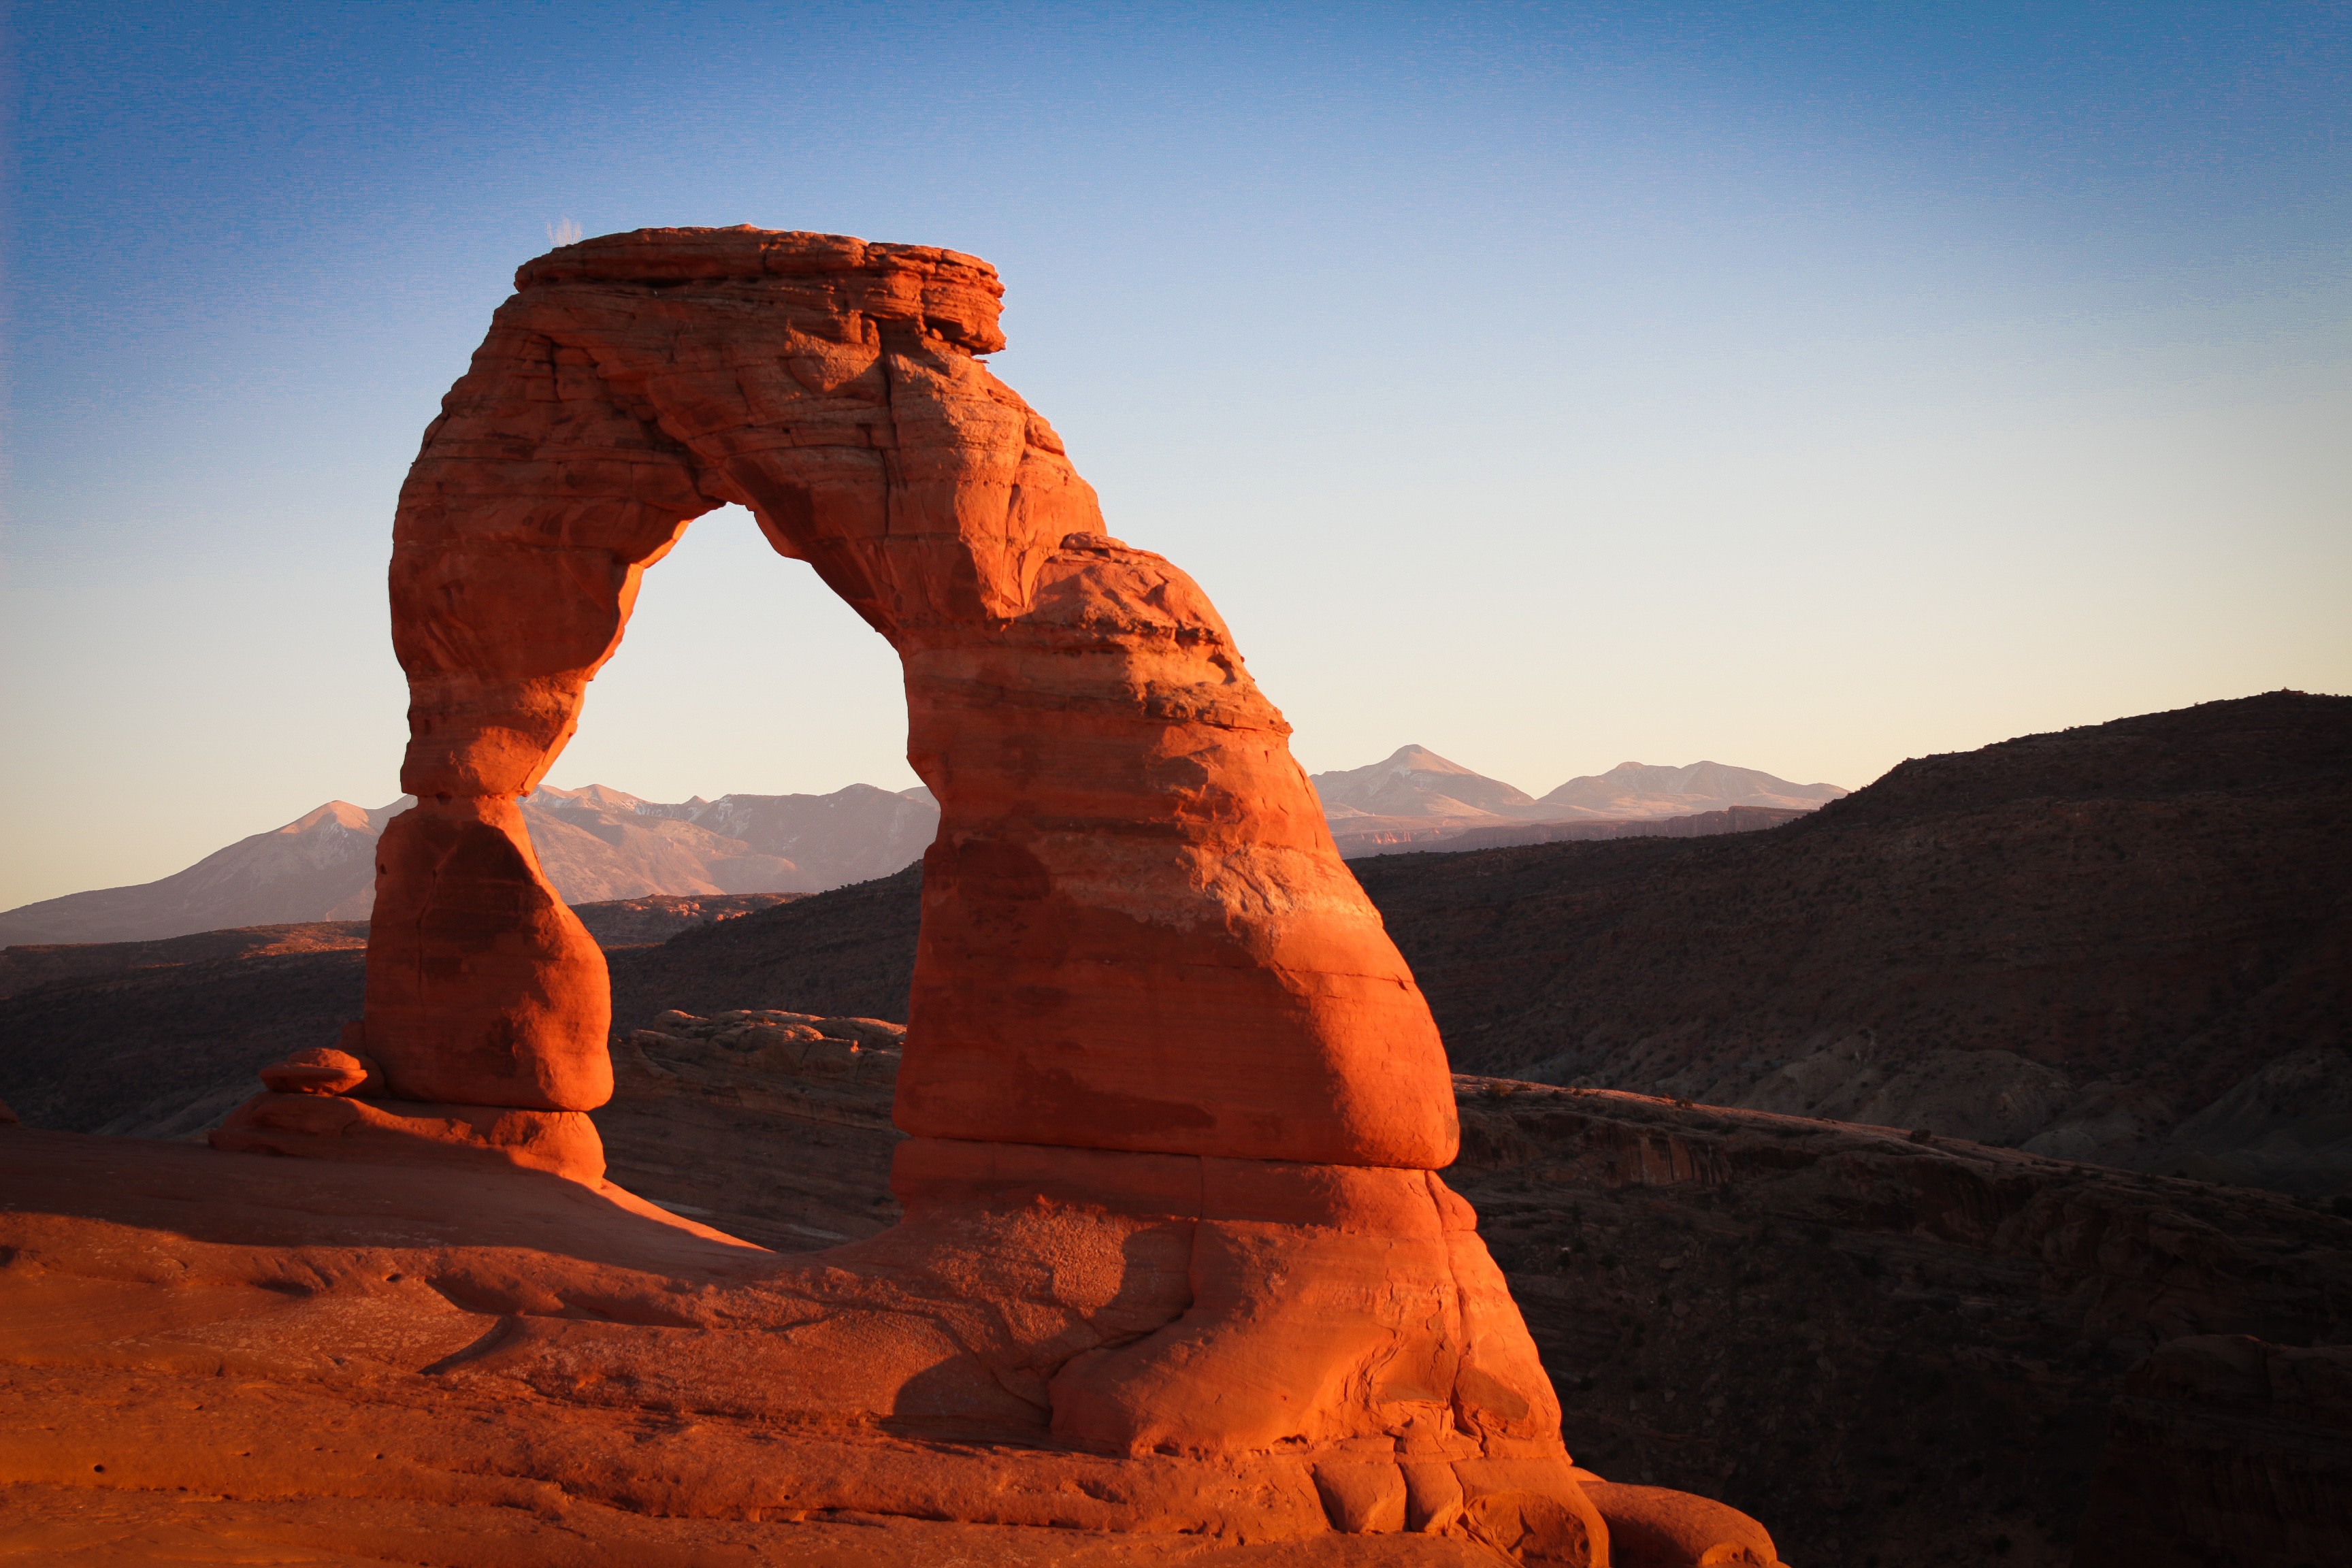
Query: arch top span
pixel 1137 933
pixel 956 296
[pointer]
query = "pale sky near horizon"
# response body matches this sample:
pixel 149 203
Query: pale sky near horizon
pixel 1802 386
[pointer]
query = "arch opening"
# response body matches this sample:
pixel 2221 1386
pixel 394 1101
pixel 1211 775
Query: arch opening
pixel 1136 935
pixel 739 671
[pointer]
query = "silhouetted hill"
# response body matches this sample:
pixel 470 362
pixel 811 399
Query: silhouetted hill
pixel 2280 740
pixel 2075 942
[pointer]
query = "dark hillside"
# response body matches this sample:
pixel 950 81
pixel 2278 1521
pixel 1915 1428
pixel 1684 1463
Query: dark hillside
pixel 159 1051
pixel 28 965
pixel 164 1036
pixel 2070 941
pixel 2280 740
pixel 847 952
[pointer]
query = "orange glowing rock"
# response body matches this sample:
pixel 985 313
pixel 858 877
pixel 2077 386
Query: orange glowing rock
pixel 323 1071
pixel 1652 1527
pixel 1176 1103
pixel 1136 932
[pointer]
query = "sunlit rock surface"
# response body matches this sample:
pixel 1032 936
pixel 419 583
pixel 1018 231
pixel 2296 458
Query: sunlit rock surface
pixel 1173 1257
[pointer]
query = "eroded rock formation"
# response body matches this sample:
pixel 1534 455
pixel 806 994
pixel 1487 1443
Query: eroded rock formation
pixel 1176 1105
pixel 1122 819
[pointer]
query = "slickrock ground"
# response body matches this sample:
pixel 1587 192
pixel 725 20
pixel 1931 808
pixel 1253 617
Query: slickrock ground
pixel 81 1528
pixel 1907 1353
pixel 201 1365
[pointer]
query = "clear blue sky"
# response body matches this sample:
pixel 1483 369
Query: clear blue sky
pixel 1798 385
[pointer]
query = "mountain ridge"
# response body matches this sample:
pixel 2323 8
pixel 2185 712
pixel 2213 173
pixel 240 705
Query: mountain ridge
pixel 1413 781
pixel 599 844
pixel 596 845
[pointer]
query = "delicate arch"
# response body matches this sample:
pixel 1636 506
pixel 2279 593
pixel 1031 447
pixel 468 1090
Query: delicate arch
pixel 1137 933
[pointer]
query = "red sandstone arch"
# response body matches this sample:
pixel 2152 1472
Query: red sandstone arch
pixel 1137 934
pixel 1161 1050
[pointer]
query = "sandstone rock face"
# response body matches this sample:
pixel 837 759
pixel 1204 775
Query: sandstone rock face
pixel 482 986
pixel 322 1072
pixel 1136 932
pixel 397 1132
pixel 1175 1104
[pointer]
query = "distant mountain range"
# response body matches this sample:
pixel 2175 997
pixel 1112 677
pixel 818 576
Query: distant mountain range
pixel 599 845
pixel 596 845
pixel 1419 798
pixel 1416 782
